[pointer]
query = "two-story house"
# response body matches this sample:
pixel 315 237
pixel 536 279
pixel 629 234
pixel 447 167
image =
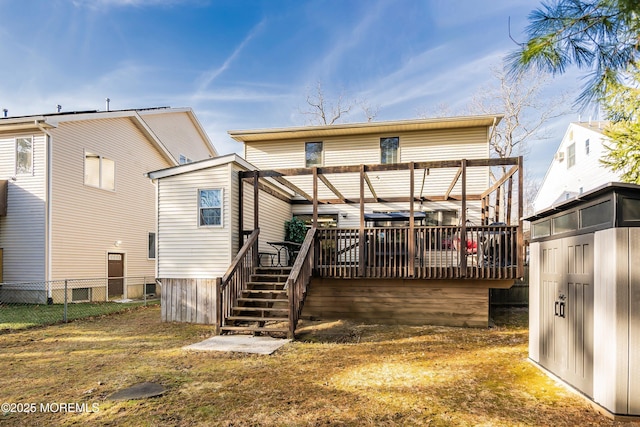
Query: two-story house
pixel 404 225
pixel 78 203
pixel 576 167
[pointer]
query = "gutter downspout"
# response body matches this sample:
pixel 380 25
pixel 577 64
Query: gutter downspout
pixel 48 206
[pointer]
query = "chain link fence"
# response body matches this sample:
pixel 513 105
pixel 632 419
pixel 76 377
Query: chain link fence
pixel 24 305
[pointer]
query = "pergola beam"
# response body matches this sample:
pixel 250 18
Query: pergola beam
pixel 327 170
pixel 453 183
pixel 291 186
pixel 370 185
pixel 472 197
pixel 333 189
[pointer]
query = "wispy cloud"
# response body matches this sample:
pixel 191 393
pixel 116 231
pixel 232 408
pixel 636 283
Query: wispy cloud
pixel 99 4
pixel 213 73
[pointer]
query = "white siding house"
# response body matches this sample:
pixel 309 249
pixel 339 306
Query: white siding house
pixel 576 166
pixel 431 171
pixel 78 197
pixel 189 249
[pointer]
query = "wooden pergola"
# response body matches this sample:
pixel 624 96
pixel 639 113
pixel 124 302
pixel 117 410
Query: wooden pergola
pixel 269 180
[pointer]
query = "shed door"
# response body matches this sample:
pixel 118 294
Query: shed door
pixel 579 312
pixel 116 273
pixel 553 328
pixel 566 310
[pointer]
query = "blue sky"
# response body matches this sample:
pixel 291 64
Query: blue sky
pixel 244 64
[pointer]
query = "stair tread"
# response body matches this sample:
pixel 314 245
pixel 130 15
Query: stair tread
pixel 258 319
pixel 249 308
pixel 253 329
pixel 262 300
pixel 265 291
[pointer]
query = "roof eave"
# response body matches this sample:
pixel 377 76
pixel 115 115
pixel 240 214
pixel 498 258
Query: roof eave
pixel 258 135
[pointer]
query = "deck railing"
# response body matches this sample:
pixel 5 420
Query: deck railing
pixel 299 279
pixel 235 279
pixel 486 252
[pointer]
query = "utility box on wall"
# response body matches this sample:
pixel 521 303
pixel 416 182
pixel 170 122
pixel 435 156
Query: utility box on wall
pixel 584 295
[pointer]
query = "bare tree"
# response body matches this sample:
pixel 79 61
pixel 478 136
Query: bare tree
pixel 370 111
pixel 526 111
pixel 325 112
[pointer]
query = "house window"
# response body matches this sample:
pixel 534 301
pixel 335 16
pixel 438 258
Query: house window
pixel 24 156
pixel 586 147
pixel 389 150
pixel 210 208
pixel 313 154
pixel 571 155
pixel 324 220
pixel 184 159
pixel 151 251
pixel 99 171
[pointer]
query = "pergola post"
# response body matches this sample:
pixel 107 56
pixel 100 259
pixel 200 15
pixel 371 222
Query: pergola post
pixel 412 233
pixel 256 197
pixel 361 239
pixel 463 221
pixel 520 237
pixel 315 197
pixel 240 211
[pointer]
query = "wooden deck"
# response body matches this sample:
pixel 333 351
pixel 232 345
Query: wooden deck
pixel 487 252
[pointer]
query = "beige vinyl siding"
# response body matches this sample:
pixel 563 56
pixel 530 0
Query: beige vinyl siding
pixel 434 145
pixel 186 250
pixel 272 216
pixel 178 133
pixel 22 231
pixel 431 145
pixel 87 221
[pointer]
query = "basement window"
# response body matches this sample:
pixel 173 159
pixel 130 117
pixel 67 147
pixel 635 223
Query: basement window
pixel 80 294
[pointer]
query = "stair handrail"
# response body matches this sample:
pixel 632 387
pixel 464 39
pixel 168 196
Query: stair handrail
pixel 299 279
pixel 237 275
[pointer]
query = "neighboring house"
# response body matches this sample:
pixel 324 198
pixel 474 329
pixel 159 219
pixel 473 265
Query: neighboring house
pixel 402 209
pixel 576 167
pixel 79 205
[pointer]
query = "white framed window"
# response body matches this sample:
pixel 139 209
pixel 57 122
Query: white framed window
pixel 210 208
pixel 313 154
pixel 151 249
pixel 99 171
pixel 571 155
pixel 389 148
pixel 24 156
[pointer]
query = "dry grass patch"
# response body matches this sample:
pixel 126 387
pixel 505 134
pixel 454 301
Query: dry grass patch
pixel 338 373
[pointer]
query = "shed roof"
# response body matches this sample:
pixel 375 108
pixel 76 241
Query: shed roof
pixel 584 197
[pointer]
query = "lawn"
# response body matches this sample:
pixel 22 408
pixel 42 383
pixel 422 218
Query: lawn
pixel 22 316
pixel 335 374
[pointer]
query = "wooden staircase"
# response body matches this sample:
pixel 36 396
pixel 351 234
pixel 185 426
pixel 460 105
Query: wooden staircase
pixel 263 307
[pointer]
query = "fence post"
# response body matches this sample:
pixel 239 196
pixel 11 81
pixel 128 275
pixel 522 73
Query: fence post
pixel 144 290
pixel 64 316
